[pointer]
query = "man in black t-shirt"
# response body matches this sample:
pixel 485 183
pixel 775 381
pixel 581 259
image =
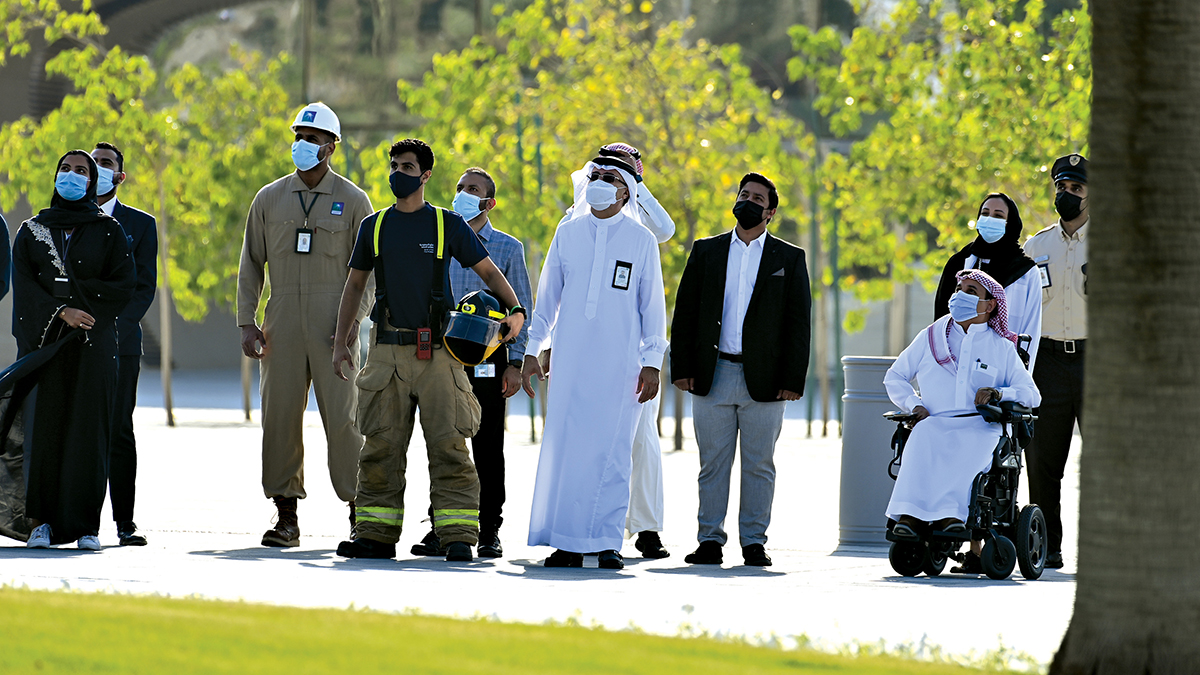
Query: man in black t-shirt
pixel 402 246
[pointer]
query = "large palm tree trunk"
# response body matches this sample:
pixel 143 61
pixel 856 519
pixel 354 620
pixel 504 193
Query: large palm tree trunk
pixel 1137 604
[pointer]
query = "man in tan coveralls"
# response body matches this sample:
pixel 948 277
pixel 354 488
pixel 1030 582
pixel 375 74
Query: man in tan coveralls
pixel 303 225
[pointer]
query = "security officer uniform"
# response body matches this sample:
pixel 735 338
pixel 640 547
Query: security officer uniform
pixel 1062 263
pixel 301 318
pixel 407 252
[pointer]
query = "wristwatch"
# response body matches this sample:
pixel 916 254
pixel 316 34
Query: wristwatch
pixel 516 363
pixel 517 309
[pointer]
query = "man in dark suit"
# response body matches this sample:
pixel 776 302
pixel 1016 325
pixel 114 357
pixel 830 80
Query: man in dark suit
pixel 142 231
pixel 747 289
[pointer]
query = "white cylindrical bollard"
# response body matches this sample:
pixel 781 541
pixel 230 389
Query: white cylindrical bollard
pixel 866 451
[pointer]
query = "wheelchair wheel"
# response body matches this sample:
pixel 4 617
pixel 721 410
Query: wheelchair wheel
pixel 934 561
pixel 1031 542
pixel 999 557
pixel 907 557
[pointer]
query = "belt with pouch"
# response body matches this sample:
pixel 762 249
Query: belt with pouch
pixel 399 337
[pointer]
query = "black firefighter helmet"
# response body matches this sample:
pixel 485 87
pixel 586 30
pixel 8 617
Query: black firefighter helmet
pixel 473 331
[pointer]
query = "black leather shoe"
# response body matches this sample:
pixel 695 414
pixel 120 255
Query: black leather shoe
pixel 430 545
pixel 650 545
pixel 611 560
pixel 755 555
pixel 366 548
pixel 127 533
pixel 970 565
pixel 707 553
pixel 458 551
pixel 1054 561
pixel 489 545
pixel 561 558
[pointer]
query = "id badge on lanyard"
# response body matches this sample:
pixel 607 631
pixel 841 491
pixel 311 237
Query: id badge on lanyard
pixel 304 235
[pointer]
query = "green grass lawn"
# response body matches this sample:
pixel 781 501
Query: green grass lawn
pixel 57 632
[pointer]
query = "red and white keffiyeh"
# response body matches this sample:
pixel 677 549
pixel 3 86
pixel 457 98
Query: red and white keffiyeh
pixel 999 318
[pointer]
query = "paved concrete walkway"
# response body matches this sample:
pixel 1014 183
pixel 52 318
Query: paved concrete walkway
pixel 201 505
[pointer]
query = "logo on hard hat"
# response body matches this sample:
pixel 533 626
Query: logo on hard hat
pixel 309 116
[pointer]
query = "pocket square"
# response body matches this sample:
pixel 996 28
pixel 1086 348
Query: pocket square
pixel 779 273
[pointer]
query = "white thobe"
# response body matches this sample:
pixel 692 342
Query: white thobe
pixel 1024 300
pixel 601 295
pixel 945 453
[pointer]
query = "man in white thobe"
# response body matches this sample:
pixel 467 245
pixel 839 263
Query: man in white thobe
pixel 964 359
pixel 646 508
pixel 601 295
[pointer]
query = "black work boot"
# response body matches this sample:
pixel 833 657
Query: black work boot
pixel 489 544
pixel 707 553
pixel 366 548
pixel 286 532
pixel 650 545
pixel 458 551
pixel 430 545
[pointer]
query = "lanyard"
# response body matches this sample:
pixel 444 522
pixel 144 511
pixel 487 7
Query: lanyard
pixel 308 208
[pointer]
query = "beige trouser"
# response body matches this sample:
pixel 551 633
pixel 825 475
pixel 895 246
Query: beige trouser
pixel 391 387
pixel 299 353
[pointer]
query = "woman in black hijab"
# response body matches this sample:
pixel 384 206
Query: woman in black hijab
pixel 72 275
pixel 1003 259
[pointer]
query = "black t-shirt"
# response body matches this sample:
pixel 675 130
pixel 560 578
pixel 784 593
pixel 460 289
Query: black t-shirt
pixel 407 247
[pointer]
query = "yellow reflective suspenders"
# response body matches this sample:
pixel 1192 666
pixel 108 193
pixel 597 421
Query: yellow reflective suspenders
pixel 441 231
pixel 438 298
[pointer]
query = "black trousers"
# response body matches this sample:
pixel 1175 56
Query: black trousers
pixel 122 462
pixel 1059 377
pixel 487 446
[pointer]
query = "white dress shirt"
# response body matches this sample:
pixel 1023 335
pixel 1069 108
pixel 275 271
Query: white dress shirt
pixel 108 206
pixel 741 271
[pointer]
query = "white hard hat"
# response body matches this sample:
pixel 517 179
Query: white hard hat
pixel 319 116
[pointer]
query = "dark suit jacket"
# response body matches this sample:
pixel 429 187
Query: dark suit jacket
pixel 777 329
pixel 142 231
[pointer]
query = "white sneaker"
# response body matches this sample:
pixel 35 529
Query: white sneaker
pixel 89 542
pixel 40 537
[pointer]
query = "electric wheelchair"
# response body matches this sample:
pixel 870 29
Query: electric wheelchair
pixel 1012 536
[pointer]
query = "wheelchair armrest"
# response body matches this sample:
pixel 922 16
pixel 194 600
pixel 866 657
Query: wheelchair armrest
pixel 1016 411
pixel 900 417
pixel 1004 411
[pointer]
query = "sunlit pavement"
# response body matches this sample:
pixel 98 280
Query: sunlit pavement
pixel 200 504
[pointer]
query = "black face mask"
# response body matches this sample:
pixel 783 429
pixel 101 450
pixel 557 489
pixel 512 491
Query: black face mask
pixel 403 184
pixel 1069 206
pixel 748 213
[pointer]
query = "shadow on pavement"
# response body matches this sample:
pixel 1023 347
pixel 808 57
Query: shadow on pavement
pixel 22 552
pixel 266 553
pixel 956 580
pixel 534 569
pixel 719 571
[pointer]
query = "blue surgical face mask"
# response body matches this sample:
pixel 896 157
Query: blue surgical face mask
pixel 991 229
pixel 467 205
pixel 104 181
pixel 71 186
pixel 963 306
pixel 305 155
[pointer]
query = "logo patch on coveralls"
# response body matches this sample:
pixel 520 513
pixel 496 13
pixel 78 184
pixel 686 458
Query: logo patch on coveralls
pixel 309 116
pixel 337 208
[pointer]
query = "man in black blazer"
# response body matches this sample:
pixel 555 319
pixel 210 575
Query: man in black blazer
pixel 142 231
pixel 739 344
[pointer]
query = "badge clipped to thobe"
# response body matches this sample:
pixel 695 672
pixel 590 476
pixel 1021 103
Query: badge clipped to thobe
pixel 304 240
pixel 485 370
pixel 621 275
pixel 62 287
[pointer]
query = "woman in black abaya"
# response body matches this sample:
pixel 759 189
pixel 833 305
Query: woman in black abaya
pixel 72 275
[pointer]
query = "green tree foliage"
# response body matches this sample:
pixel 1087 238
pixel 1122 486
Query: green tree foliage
pixel 23 17
pixel 195 162
pixel 559 79
pixel 975 96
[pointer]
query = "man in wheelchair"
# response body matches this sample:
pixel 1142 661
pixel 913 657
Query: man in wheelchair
pixel 966 359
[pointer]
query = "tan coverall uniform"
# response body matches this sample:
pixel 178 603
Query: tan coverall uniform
pixel 301 318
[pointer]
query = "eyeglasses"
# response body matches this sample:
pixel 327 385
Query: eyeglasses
pixel 607 178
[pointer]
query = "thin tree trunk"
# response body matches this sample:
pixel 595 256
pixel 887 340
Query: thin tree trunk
pixel 1137 603
pixel 247 364
pixel 898 337
pixel 164 300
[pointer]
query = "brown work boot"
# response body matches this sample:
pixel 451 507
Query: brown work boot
pixel 286 532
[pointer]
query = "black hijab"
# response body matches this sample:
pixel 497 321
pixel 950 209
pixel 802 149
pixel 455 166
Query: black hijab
pixel 66 214
pixel 1006 260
